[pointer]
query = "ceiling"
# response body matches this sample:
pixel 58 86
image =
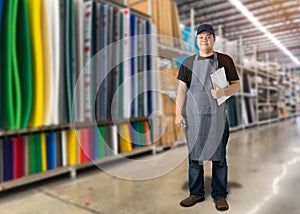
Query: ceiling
pixel 280 17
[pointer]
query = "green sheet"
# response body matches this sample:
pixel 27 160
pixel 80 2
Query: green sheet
pixel 24 62
pixel 10 81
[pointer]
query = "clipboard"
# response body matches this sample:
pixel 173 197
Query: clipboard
pixel 219 77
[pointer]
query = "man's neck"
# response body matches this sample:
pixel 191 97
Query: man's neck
pixel 206 54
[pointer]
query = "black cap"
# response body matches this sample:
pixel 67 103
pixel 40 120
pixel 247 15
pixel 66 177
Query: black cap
pixel 206 27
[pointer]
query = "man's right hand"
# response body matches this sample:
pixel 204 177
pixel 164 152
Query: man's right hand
pixel 179 120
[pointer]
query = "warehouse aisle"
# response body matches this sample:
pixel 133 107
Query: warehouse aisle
pixel 264 178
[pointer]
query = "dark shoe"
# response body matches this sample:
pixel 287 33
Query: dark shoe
pixel 191 200
pixel 221 204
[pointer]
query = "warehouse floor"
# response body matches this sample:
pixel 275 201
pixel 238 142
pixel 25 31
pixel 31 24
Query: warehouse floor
pixel 264 178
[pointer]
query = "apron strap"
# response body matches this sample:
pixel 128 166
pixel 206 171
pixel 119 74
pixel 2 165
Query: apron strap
pixel 216 60
pixel 216 64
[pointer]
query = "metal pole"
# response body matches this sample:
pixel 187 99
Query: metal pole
pixel 193 28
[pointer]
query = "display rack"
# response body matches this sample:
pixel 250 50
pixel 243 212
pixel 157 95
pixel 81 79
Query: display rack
pixel 288 85
pixel 72 168
pixel 261 85
pixel 168 82
pixel 248 96
pixel 267 105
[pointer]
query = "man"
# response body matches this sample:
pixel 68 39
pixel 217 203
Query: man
pixel 207 128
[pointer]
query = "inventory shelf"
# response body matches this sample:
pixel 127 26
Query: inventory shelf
pixel 171 52
pixel 267 87
pixel 167 147
pixel 26 179
pixel 244 94
pixel 8 133
pixel 253 71
pixel 70 169
pixel 235 128
pixel 266 75
pixel 249 125
pixel 289 116
pixel 262 122
pixel 138 151
pixel 260 104
pixel 34 178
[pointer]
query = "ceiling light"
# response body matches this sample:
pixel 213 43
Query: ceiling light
pixel 263 29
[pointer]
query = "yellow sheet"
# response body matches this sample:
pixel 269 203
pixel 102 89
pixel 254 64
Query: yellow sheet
pixel 125 140
pixel 47 66
pixel 72 147
pixel 44 152
pixel 34 12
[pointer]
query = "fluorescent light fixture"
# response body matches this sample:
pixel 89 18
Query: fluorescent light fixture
pixel 263 29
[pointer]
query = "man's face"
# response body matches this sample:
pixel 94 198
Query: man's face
pixel 205 41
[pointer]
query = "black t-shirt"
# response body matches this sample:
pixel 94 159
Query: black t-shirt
pixel 185 70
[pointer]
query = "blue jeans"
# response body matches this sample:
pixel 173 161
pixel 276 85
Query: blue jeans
pixel 219 173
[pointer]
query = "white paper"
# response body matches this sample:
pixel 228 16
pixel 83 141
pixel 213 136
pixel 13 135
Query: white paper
pixel 219 77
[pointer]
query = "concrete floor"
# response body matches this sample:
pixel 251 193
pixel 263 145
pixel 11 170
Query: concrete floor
pixel 264 178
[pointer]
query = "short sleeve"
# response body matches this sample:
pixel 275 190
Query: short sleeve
pixel 182 73
pixel 230 69
pixel 185 71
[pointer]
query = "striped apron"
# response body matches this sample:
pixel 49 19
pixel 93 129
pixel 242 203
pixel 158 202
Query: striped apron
pixel 205 119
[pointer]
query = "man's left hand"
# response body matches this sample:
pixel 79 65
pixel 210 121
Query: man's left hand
pixel 217 92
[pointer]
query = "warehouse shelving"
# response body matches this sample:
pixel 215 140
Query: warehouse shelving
pixel 72 168
pixel 288 86
pixel 171 52
pixel 266 87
